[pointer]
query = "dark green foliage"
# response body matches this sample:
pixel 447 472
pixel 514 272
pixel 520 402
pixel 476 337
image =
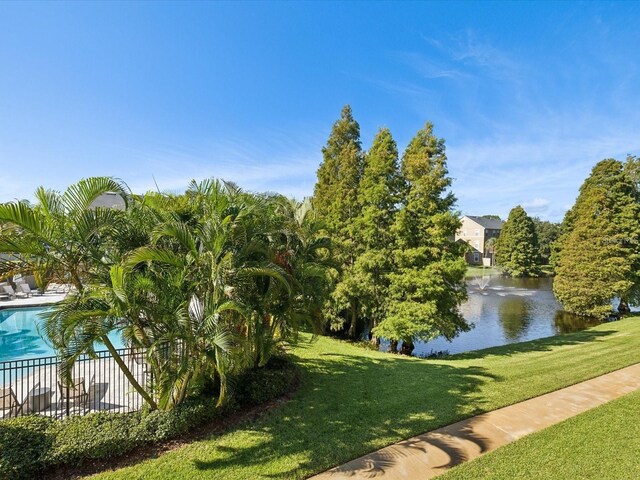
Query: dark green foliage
pixel 548 233
pixel 24 444
pixel 517 247
pixel 33 443
pixel 427 282
pixel 599 251
pixel 255 387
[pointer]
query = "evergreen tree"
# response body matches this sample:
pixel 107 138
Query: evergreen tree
pixel 632 170
pixel 599 253
pixel 427 284
pixel 547 232
pixel 378 197
pixel 517 246
pixel 335 199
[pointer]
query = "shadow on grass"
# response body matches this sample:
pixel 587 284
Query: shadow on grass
pixel 539 345
pixel 349 405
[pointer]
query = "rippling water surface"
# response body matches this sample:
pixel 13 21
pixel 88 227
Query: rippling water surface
pixel 506 310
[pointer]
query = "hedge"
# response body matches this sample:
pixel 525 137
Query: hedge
pixel 34 443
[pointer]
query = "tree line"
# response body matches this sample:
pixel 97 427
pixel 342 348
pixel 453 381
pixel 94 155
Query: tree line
pixel 392 223
pixel 595 251
pixel 525 244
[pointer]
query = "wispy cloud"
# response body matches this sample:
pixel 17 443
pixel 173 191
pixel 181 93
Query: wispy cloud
pixel 520 130
pixel 429 68
pixel 288 168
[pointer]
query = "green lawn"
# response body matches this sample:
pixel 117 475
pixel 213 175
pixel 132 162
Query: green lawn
pixel 352 401
pixel 473 272
pixel 602 443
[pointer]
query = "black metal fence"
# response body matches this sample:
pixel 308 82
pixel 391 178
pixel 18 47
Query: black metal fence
pixel 97 384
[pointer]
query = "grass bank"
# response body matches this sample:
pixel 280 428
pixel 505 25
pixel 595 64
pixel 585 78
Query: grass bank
pixel 601 443
pixel 473 272
pixel 352 401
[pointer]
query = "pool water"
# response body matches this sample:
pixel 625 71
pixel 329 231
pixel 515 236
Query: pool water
pixel 21 339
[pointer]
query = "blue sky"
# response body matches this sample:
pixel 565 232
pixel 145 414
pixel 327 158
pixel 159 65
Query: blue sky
pixel 529 96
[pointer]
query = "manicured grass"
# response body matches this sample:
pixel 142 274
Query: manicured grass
pixel 602 443
pixel 473 272
pixel 352 401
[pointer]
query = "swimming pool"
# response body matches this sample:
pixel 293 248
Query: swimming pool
pixel 20 338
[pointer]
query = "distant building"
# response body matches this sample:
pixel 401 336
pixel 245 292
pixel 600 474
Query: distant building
pixel 476 231
pixel 109 200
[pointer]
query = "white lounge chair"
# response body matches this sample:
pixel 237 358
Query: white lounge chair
pixel 25 288
pixel 8 290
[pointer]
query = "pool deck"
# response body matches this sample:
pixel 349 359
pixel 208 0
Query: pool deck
pixel 105 385
pixel 48 298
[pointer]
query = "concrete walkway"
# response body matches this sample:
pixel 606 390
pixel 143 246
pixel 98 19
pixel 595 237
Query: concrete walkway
pixel 432 453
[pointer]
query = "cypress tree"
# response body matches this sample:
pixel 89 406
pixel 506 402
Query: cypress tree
pixel 335 196
pixel 548 233
pixel 517 247
pixel 598 254
pixel 335 199
pixel 378 197
pixel 427 284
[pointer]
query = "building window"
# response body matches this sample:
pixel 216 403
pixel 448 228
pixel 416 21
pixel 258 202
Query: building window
pixel 476 257
pixel 476 244
pixel 477 233
pixel 464 233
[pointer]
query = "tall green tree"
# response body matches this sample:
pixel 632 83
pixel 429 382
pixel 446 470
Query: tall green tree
pixel 632 170
pixel 427 284
pixel 379 197
pixel 547 233
pixel 335 196
pixel 335 200
pixel 599 252
pixel 517 247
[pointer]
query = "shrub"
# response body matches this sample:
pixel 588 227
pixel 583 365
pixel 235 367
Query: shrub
pixel 33 443
pixel 24 444
pixel 95 436
pixel 261 385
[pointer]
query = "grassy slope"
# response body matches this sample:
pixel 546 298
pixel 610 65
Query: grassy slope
pixel 602 443
pixel 353 401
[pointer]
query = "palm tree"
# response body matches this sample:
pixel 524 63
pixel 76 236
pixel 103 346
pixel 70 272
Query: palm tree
pixel 490 247
pixel 64 238
pixel 216 259
pixel 61 236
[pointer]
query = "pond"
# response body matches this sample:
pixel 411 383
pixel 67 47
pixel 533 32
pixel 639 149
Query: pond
pixel 506 310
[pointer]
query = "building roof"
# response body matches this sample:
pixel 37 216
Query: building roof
pixel 487 222
pixel 109 200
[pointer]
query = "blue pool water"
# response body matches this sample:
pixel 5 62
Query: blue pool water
pixel 20 338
